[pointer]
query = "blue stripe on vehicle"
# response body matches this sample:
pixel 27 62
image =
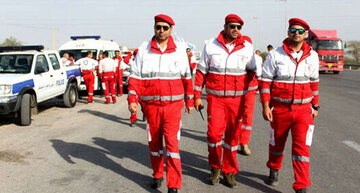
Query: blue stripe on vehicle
pixel 74 72
pixel 18 86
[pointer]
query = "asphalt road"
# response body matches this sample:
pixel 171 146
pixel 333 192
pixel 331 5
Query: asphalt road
pixel 92 149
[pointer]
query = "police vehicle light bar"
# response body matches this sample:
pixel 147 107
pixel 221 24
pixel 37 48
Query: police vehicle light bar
pixel 85 37
pixel 21 48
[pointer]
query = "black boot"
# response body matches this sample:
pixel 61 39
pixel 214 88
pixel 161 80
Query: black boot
pixel 273 179
pixel 156 183
pixel 301 190
pixel 172 190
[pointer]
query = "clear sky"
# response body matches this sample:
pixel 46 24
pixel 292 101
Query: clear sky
pixel 130 22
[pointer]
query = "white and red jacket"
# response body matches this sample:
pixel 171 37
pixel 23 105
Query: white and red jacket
pixel 87 65
pixel 192 61
pixel 161 77
pixel 291 79
pixel 226 72
pixel 107 65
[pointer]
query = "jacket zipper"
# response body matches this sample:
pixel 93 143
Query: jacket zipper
pixel 225 73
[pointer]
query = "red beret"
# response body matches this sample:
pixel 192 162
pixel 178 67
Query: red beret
pixel 164 18
pixel 297 21
pixel 233 18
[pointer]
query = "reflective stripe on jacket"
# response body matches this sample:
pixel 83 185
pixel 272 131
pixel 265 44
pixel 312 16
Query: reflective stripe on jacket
pixel 290 80
pixel 225 72
pixel 161 77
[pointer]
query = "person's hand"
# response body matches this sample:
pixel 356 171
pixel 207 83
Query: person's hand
pixel 315 114
pixel 267 114
pixel 188 110
pixel 198 103
pixel 133 107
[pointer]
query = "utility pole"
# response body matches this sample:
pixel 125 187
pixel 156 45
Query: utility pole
pixel 53 39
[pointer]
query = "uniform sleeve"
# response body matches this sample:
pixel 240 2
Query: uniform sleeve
pixel 101 66
pixel 124 65
pixel 251 70
pixel 267 77
pixel 187 80
pixel 251 64
pixel 127 58
pixel 81 65
pixel 314 80
pixel 95 64
pixel 135 79
pixel 202 69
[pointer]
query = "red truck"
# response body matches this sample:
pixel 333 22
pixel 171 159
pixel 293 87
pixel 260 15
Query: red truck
pixel 330 49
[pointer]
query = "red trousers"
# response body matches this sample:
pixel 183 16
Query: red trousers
pixel 119 80
pixel 164 121
pixel 301 123
pixel 248 116
pixel 109 84
pixel 224 117
pixel 89 80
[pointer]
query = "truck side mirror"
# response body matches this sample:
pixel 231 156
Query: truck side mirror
pixel 345 45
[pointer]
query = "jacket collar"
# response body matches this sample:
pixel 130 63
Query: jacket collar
pixel 171 47
pixel 305 48
pixel 238 43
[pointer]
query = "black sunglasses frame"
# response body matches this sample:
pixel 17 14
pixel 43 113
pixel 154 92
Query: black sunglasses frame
pixel 232 26
pixel 300 31
pixel 164 27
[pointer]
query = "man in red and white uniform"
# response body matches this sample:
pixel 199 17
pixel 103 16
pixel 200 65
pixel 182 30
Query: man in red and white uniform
pixel 119 71
pixel 65 60
pixel 225 68
pixel 107 68
pixel 250 98
pixel 161 80
pixel 129 61
pixel 192 61
pixel 87 67
pixel 290 97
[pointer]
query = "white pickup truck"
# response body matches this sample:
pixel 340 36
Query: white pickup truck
pixel 29 76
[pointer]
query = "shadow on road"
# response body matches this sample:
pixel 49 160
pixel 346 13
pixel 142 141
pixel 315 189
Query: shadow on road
pixel 99 157
pixel 112 117
pixel 192 164
pixel 189 133
pixel 245 178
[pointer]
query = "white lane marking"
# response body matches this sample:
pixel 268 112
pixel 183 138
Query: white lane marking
pixel 353 145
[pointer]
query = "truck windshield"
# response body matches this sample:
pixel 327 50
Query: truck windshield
pixel 78 54
pixel 330 45
pixel 15 63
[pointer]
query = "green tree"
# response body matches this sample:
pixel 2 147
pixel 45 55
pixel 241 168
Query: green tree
pixel 11 41
pixel 354 50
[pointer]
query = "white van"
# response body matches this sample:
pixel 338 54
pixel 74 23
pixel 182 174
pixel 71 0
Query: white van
pixel 78 47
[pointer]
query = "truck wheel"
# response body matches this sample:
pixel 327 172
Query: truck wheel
pixel 336 72
pixel 70 96
pixel 25 110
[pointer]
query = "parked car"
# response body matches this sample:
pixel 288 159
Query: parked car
pixel 29 76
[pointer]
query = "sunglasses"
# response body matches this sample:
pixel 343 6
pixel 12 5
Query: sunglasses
pixel 232 26
pixel 165 28
pixel 293 30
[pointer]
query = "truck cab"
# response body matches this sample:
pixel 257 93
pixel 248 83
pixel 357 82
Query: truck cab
pixel 329 48
pixel 29 76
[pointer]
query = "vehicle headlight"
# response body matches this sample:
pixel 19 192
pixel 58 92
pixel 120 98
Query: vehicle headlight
pixel 5 89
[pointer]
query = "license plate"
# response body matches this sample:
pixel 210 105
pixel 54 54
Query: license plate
pixel 330 65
